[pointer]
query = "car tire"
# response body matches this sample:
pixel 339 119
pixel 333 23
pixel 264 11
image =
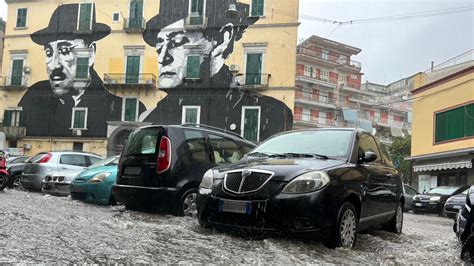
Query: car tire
pixel 188 203
pixel 395 225
pixel 344 234
pixel 467 251
pixel 15 182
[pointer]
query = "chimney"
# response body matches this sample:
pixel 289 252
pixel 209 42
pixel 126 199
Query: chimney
pixel 432 65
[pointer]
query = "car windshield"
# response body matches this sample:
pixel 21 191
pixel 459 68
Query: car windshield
pixel 325 143
pixel 106 161
pixel 443 190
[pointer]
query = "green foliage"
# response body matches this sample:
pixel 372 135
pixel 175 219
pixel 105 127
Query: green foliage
pixel 400 150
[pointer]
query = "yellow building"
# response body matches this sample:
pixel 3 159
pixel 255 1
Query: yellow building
pixel 81 74
pixel 443 129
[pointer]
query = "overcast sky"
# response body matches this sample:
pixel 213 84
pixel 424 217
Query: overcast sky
pixel 390 50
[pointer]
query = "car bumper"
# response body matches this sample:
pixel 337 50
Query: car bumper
pixel 32 181
pixel 302 215
pixel 56 188
pixel 451 210
pixel 426 206
pixel 98 193
pixel 145 198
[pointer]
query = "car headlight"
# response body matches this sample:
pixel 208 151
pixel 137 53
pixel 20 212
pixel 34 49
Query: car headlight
pixel 435 198
pixel 99 178
pixel 307 182
pixel 207 179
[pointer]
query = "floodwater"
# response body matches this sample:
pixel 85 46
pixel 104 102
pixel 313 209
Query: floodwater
pixel 36 228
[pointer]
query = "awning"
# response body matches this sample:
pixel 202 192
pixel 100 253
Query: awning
pixel 445 164
pixel 350 115
pixel 366 125
pixel 396 131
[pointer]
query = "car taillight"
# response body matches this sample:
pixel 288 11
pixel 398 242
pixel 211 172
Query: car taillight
pixel 45 158
pixel 164 155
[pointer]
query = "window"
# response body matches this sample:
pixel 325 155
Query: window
pixel 224 150
pixel 305 116
pixel 325 54
pixel 85 17
pixel 191 114
pixel 17 72
pixel 77 146
pixel 324 74
pixel 457 123
pixel 354 76
pixel 253 72
pixel 193 67
pixel 133 69
pixel 196 11
pixel 130 109
pixel 11 118
pixel 308 71
pixel 342 78
pixel 257 8
pixel 367 143
pixel 196 145
pixel 72 159
pixel 82 69
pixel 21 17
pixel 116 17
pixel 79 118
pixel 136 14
pixel 251 123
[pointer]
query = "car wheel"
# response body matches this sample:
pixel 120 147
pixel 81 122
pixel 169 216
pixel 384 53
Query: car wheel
pixel 188 203
pixel 344 233
pixel 3 181
pixel 15 182
pixel 112 201
pixel 467 251
pixel 395 225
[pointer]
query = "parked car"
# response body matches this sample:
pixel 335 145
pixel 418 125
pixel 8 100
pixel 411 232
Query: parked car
pixel 45 162
pixel 161 166
pixel 15 169
pixel 408 193
pixel 94 185
pixel 19 159
pixel 434 200
pixel 454 204
pixel 464 228
pixel 319 183
pixel 57 183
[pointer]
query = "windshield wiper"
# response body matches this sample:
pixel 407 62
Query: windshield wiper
pixel 258 154
pixel 293 154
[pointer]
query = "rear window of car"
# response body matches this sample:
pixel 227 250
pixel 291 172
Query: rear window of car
pixel 36 158
pixel 142 142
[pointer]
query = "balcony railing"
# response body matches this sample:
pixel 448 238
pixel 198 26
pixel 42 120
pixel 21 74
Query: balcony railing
pixel 134 24
pixel 316 78
pixel 314 120
pixel 130 79
pixel 350 63
pixel 13 82
pixel 351 84
pixel 254 80
pixel 315 98
pixel 195 21
pixel 13 133
pixel 330 58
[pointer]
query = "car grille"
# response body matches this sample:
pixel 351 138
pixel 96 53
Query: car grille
pixel 78 195
pixel 246 181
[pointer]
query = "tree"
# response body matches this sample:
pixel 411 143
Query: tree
pixel 400 149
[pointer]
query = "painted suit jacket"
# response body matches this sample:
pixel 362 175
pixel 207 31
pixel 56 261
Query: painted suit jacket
pixel 47 115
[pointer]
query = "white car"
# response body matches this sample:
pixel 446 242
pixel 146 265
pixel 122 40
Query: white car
pixel 57 183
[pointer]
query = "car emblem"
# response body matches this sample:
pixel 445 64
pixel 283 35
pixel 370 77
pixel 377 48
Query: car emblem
pixel 245 174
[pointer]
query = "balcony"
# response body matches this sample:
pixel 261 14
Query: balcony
pixel 330 60
pixel 13 133
pixel 315 99
pixel 195 22
pixel 306 121
pixel 316 79
pixel 253 81
pixel 122 80
pixel 349 65
pixel 362 99
pixel 132 25
pixel 14 82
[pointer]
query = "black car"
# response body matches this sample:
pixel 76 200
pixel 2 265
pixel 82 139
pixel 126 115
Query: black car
pixel 464 228
pixel 15 169
pixel 454 204
pixel 326 183
pixel 161 166
pixel 408 193
pixel 434 200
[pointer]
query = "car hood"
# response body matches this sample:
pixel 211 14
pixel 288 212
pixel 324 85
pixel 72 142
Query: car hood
pixel 427 196
pixel 285 169
pixel 458 197
pixel 89 173
pixel 68 175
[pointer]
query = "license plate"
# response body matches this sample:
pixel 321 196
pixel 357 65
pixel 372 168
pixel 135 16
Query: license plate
pixel 418 204
pixel 244 207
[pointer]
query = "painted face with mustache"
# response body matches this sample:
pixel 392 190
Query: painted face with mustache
pixel 61 64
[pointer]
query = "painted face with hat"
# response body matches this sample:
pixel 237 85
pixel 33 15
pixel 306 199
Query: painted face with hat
pixel 174 40
pixel 64 45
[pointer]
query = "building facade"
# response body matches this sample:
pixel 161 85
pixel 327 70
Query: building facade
pixel 329 92
pixel 443 127
pixel 82 74
pixel 3 24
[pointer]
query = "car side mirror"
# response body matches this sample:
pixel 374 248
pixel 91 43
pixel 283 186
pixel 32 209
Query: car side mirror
pixel 369 156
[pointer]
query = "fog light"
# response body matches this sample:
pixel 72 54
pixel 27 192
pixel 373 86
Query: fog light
pixel 303 223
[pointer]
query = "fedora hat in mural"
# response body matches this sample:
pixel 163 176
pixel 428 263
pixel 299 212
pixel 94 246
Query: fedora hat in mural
pixel 63 25
pixel 174 10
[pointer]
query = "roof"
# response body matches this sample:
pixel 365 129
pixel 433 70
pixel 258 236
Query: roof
pixel 332 44
pixel 451 77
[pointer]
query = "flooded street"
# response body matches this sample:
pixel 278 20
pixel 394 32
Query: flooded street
pixel 35 228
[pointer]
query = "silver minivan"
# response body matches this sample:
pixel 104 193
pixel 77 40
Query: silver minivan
pixel 43 163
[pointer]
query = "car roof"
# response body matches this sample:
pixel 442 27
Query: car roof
pixel 71 152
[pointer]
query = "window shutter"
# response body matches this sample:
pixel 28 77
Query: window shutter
pixel 7 118
pixel 17 72
pixel 469 120
pixel 133 69
pixel 82 68
pixel 254 69
pixel 257 7
pixel 79 118
pixel 21 17
pixel 193 66
pixel 455 124
pixel 85 17
pixel 130 110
